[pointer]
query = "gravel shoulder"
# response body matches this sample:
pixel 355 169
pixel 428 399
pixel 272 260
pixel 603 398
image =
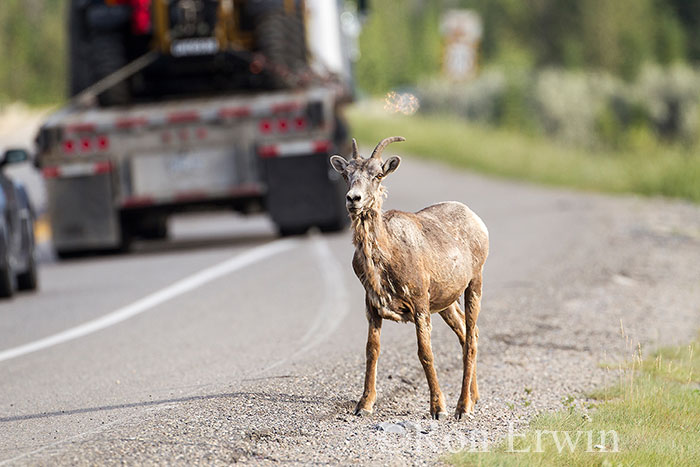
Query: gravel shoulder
pixel 574 280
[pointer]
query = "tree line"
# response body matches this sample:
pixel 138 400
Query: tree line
pixel 401 42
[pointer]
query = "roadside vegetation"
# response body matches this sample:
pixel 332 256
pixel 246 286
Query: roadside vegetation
pixel 32 52
pixel 646 166
pixel 654 411
pixel 591 94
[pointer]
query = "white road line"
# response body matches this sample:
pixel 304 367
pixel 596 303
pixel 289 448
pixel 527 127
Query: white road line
pixel 150 301
pixel 333 308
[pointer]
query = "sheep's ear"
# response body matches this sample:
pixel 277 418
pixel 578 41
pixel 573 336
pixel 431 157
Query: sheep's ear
pixel 339 164
pixel 391 164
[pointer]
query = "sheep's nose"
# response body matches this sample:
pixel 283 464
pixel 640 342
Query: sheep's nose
pixel 353 197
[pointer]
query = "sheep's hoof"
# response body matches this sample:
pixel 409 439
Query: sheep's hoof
pixel 363 412
pixel 439 415
pixel 462 414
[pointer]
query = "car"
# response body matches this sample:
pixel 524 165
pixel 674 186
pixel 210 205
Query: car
pixel 18 269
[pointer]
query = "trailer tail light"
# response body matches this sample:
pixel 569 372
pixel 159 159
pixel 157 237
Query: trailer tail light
pixel 283 125
pixel 102 143
pixel 265 126
pixel 69 146
pixel 85 145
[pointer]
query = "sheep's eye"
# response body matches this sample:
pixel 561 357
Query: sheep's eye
pixel 380 176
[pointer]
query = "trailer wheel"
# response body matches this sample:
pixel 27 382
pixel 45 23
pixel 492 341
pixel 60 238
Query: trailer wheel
pixel 286 231
pixel 153 227
pixel 108 55
pixel 281 40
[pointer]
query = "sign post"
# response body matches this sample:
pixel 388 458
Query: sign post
pixel 462 30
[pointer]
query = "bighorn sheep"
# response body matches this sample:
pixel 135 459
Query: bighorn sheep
pixel 412 265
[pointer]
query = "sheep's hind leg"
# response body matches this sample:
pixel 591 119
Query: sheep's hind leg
pixel 470 391
pixel 425 355
pixel 454 318
pixel 366 404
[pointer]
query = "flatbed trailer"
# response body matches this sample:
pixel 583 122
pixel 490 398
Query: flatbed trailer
pixel 116 173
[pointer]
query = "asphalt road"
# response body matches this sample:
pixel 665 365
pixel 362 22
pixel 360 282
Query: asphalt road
pixel 227 344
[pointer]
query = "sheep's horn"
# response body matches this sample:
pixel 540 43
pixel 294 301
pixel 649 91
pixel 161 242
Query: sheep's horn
pixel 355 151
pixel 384 143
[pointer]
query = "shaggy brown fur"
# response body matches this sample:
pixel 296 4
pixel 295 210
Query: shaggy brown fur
pixel 412 265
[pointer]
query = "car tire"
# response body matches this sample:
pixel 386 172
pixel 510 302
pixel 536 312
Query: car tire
pixel 29 280
pixel 8 281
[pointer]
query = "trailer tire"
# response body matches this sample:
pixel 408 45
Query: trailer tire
pixel 286 231
pixel 280 38
pixel 79 49
pixel 108 54
pixel 153 228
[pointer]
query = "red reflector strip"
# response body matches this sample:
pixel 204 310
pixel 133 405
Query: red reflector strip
pixel 268 151
pixel 247 189
pixel 77 170
pixel 191 195
pixel 50 172
pixel 81 128
pixel 321 146
pixel 102 167
pixel 234 112
pixel 183 117
pixel 138 201
pixel 294 148
pixel 285 107
pixel 129 123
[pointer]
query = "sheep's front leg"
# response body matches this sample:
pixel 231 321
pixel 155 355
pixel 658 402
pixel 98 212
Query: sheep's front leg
pixel 425 354
pixel 366 404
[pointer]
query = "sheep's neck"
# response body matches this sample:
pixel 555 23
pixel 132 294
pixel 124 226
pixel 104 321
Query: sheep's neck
pixel 372 242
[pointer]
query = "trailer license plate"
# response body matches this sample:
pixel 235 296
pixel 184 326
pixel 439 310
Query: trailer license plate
pixel 194 47
pixel 184 163
pixel 165 175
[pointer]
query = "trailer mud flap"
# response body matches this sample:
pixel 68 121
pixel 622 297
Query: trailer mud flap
pixel 82 213
pixel 304 192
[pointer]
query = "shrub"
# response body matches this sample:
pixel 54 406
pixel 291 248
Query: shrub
pixel 589 109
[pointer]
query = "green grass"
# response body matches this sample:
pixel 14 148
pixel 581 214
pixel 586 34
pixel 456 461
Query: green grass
pixel 655 411
pixel 650 169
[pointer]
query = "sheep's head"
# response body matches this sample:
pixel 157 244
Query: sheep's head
pixel 364 176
